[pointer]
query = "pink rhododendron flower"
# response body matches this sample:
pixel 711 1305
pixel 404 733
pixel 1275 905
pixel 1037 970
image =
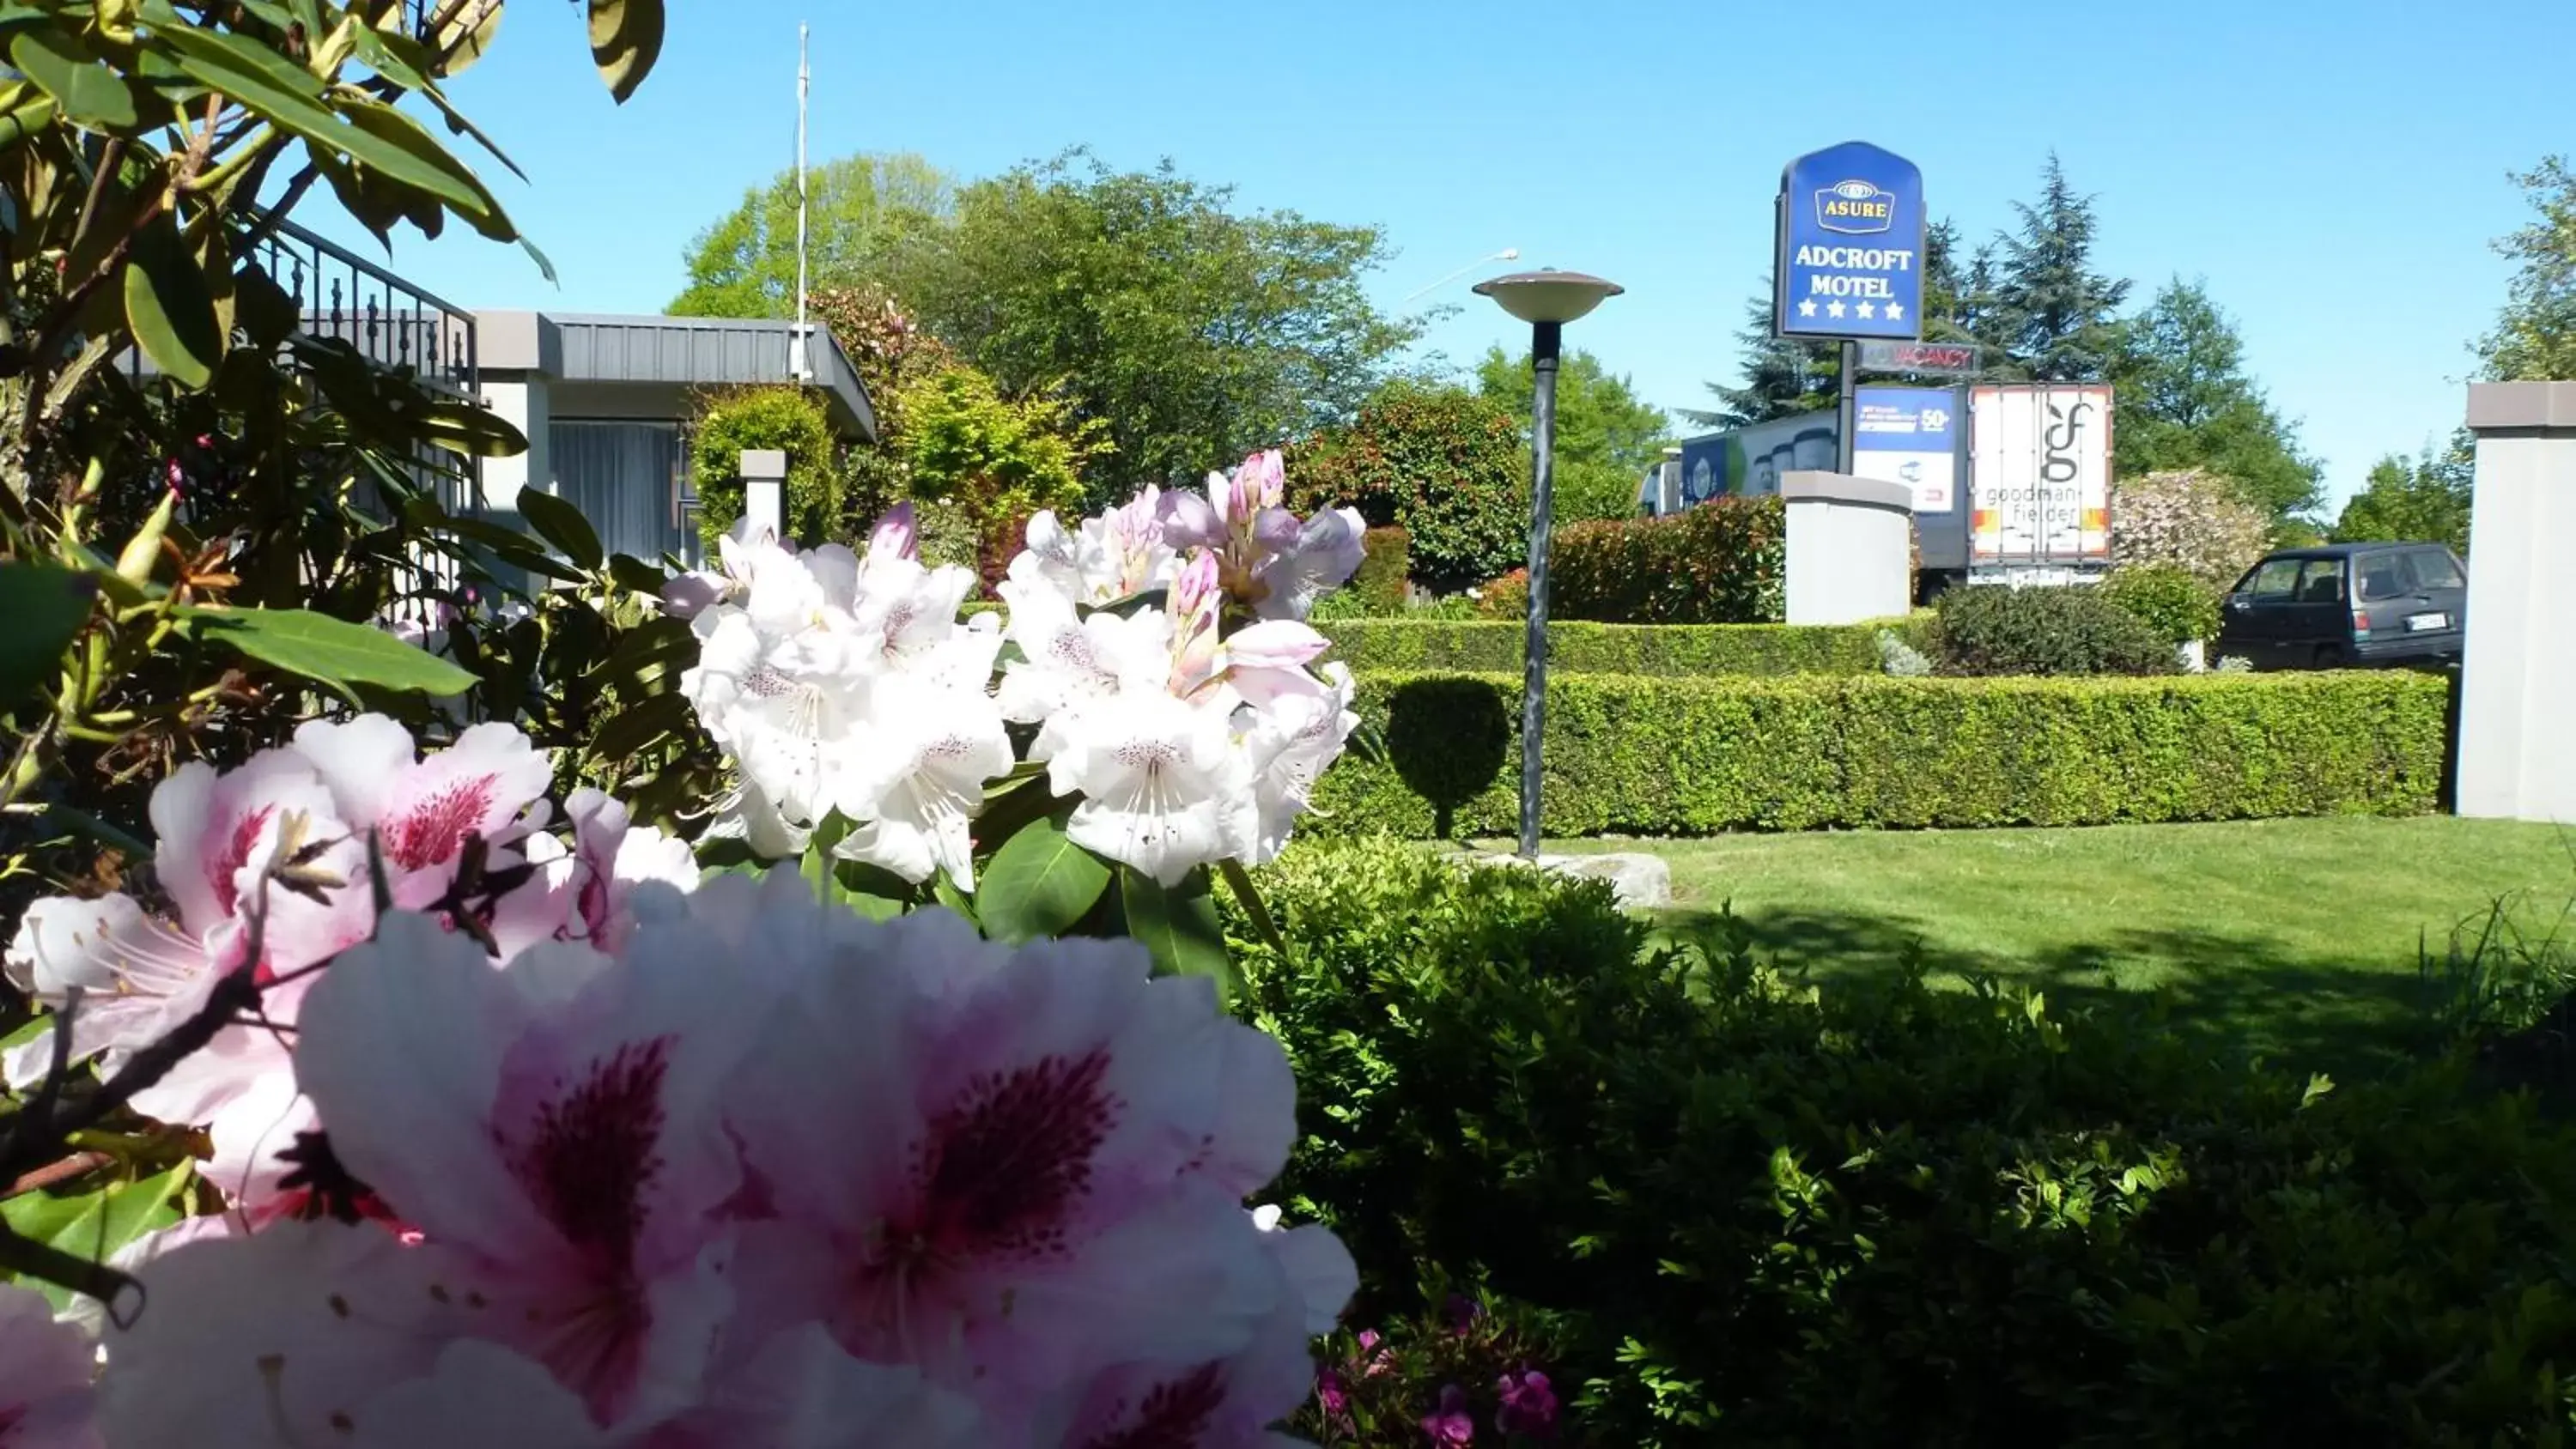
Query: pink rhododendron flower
pixel 554 1129
pixel 45 1373
pixel 1019 1172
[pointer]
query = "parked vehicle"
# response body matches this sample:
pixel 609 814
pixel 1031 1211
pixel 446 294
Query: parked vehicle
pixel 2345 605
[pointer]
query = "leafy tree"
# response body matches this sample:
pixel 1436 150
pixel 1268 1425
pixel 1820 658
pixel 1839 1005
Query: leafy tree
pixel 2182 400
pixel 2426 498
pixel 995 460
pixel 1447 465
pixel 1782 378
pixel 1606 436
pixel 856 208
pixel 1192 333
pixel 2535 336
pixel 2050 309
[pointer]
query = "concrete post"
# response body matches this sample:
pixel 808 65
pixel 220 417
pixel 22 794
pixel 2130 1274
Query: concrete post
pixel 1849 549
pixel 764 491
pixel 2517 686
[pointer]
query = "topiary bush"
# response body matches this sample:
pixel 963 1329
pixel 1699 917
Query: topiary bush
pixel 791 419
pixel 1634 755
pixel 1384 580
pixel 1991 629
pixel 1755 1210
pixel 2167 599
pixel 1448 467
pixel 1723 562
pixel 1672 650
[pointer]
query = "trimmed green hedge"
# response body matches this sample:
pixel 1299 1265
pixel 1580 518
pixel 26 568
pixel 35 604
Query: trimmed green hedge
pixel 1630 754
pixel 1667 650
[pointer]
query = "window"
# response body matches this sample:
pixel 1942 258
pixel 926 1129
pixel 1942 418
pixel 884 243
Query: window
pixel 2434 569
pixel 2384 576
pixel 625 478
pixel 2321 581
pixel 2275 582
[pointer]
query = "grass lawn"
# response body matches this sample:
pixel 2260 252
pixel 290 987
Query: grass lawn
pixel 2294 938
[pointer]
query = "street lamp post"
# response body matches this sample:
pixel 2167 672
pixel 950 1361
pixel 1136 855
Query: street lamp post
pixel 1547 300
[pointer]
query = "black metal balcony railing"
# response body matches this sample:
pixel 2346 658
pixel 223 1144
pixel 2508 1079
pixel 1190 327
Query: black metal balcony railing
pixel 392 322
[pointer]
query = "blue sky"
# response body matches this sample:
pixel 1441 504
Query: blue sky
pixel 2334 172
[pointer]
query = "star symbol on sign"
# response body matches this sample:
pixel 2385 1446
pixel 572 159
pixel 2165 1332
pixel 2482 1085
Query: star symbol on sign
pixel 1868 310
pixel 1807 309
pixel 1895 311
pixel 1833 309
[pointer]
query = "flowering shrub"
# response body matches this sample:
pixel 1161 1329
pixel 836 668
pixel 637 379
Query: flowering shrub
pixel 2197 521
pixel 1471 1371
pixel 1720 563
pixel 1445 464
pixel 510 1130
pixel 1170 724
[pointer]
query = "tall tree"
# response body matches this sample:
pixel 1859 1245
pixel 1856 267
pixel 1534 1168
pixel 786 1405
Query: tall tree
pixel 2182 399
pixel 1190 331
pixel 2406 500
pixel 1782 378
pixel 2535 337
pixel 2050 309
pixel 856 207
pixel 1606 436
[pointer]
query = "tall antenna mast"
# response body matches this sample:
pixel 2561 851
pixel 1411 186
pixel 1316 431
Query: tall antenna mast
pixel 796 359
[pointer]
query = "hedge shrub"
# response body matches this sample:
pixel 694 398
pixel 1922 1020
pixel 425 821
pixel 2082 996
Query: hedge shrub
pixel 1761 1212
pixel 1988 629
pixel 1637 755
pixel 2167 599
pixel 1723 562
pixel 1673 650
pixel 791 419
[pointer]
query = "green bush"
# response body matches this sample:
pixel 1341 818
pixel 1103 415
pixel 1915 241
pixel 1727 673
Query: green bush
pixel 1720 563
pixel 790 419
pixel 1448 467
pixel 1992 629
pixel 1754 1211
pixel 1634 755
pixel 1679 650
pixel 2167 599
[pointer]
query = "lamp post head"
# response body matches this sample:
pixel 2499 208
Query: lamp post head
pixel 1548 295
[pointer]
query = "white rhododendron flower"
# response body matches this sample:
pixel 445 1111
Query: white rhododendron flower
pixel 1159 650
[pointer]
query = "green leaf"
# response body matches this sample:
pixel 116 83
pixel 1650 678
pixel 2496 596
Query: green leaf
pixel 636 576
pixel 625 40
pixel 1247 895
pixel 406 62
pixel 561 524
pixel 87 90
pixel 170 307
pixel 289 96
pixel 871 890
pixel 45 607
pixel 471 430
pixel 401 132
pixel 1179 927
pixel 95 1225
pixel 1038 884
pixel 643 726
pixel 332 651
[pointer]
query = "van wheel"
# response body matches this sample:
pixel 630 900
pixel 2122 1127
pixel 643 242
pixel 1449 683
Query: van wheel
pixel 2332 656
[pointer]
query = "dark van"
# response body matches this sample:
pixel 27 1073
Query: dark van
pixel 2342 605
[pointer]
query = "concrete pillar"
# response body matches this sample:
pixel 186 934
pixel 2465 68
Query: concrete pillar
pixel 1850 548
pixel 520 402
pixel 2518 664
pixel 764 491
